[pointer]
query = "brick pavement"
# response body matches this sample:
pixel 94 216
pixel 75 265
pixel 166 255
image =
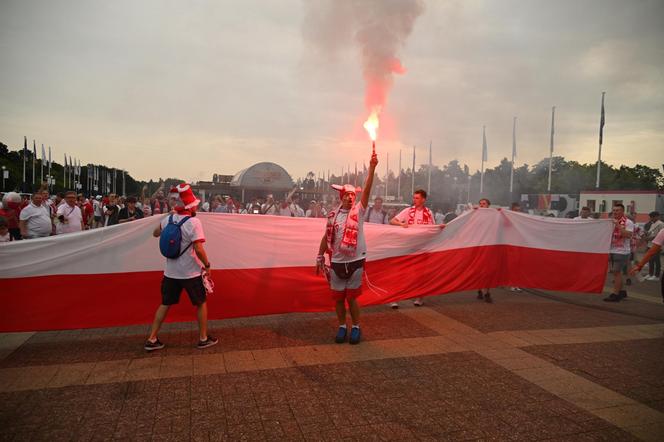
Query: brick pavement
pixel 456 369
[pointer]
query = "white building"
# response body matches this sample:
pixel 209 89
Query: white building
pixel 637 202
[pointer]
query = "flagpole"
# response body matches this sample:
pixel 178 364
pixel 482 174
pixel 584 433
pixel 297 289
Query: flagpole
pixel 553 115
pixel 25 153
pixel 399 180
pixel 41 166
pixel 49 167
pixel 484 157
pixel 387 172
pixel 412 184
pixel 34 157
pixel 355 179
pixel 513 156
pixel 429 171
pixel 601 135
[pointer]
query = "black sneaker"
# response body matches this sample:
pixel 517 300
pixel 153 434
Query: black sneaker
pixel 480 296
pixel 612 298
pixel 209 342
pixel 151 346
pixel 487 298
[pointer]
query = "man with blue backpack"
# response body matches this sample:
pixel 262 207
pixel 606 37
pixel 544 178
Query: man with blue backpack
pixel 181 241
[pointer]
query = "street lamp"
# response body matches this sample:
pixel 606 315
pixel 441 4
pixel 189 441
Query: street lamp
pixel 5 175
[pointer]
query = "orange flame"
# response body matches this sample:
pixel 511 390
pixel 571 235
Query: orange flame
pixel 371 125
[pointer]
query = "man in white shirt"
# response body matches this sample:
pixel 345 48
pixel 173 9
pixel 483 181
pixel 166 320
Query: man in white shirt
pixel 35 219
pixel 98 211
pixel 186 271
pixel 269 208
pixel 584 213
pixel 655 263
pixel 69 217
pixel 621 248
pixel 377 214
pixel 344 242
pixel 655 249
pixel 417 214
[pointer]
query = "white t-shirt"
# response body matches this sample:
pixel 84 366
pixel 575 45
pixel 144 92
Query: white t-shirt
pixel 187 265
pixel 96 206
pixel 73 218
pixel 376 216
pixel 654 230
pixel 297 210
pixel 659 239
pixel 419 216
pixel 285 211
pixel 339 225
pixel 269 209
pixel 625 246
pixel 38 219
pixel 439 217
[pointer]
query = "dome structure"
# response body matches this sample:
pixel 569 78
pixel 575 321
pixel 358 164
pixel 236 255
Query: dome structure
pixel 263 176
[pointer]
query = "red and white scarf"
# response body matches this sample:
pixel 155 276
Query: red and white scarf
pixel 617 238
pixel 427 216
pixel 348 244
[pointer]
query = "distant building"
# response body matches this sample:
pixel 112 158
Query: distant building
pixel 259 180
pixel 637 202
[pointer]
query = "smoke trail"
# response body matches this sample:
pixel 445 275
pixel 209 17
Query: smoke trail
pixel 378 27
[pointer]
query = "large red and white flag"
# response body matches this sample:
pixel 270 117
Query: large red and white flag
pixel 265 264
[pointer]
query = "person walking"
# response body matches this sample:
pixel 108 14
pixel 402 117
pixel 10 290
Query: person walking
pixel 184 271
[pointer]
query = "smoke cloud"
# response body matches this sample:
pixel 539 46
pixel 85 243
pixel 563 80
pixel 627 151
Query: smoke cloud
pixel 379 29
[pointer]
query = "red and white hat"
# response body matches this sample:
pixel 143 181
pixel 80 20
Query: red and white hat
pixel 183 193
pixel 346 188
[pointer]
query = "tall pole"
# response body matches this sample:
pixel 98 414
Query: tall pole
pixel 412 184
pixel 513 157
pixel 553 115
pixel 25 153
pixel 387 172
pixel 399 179
pixel 601 135
pixel 49 167
pixel 429 171
pixel 355 179
pixel 123 184
pixel 34 158
pixel 484 158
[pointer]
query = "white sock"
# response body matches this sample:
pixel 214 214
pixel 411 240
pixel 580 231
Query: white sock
pixel 356 325
pixel 342 326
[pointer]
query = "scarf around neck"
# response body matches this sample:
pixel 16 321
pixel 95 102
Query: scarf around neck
pixel 348 244
pixel 616 238
pixel 427 217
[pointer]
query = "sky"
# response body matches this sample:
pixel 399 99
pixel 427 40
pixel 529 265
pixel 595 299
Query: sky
pixel 188 89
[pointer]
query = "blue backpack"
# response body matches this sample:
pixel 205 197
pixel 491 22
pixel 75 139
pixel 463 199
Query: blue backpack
pixel 171 238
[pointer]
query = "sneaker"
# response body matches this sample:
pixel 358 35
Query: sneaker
pixel 151 346
pixel 355 335
pixel 394 305
pixel 487 298
pixel 341 335
pixel 417 302
pixel 622 294
pixel 612 298
pixel 515 289
pixel 209 342
pixel 480 296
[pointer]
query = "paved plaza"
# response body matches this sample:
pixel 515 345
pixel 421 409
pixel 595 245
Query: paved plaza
pixel 531 366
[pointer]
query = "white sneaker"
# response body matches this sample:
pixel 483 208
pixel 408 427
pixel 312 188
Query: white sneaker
pixel 655 278
pixel 417 302
pixel 515 289
pixel 394 305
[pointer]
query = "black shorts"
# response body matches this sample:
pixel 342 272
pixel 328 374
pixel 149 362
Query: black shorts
pixel 171 289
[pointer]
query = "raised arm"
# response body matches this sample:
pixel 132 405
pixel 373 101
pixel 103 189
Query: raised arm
pixel 366 192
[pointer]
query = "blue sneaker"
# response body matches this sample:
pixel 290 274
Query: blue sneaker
pixel 341 335
pixel 355 335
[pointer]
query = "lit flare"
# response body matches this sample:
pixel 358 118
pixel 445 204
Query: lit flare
pixel 371 125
